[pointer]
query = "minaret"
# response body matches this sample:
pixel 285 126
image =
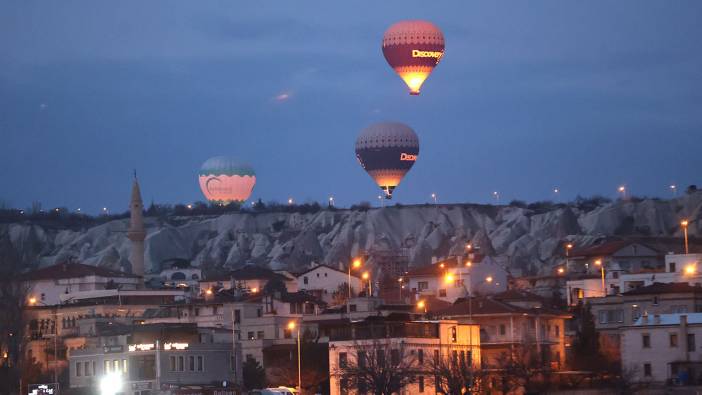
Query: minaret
pixel 136 232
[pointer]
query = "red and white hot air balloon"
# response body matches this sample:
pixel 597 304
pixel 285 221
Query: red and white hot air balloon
pixel 413 49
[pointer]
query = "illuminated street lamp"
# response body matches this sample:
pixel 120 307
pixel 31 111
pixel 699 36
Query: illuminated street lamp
pixel 354 265
pixel 290 201
pixel 331 201
pixel 601 265
pixel 400 280
pixel 691 269
pixel 622 190
pixel 32 301
pixel 561 270
pixel 433 196
pixel 111 384
pixel 422 305
pixel 488 279
pixel 674 190
pixel 684 223
pixel 366 276
pixel 382 201
pixel 496 195
pixel 291 326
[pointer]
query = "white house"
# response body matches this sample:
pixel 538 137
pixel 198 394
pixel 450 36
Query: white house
pixel 664 347
pixel 679 268
pixel 49 285
pixel 323 280
pixel 249 278
pixel 455 278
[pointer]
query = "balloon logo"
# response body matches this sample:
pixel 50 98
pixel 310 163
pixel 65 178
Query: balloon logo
pixel 223 180
pixel 413 49
pixel 387 151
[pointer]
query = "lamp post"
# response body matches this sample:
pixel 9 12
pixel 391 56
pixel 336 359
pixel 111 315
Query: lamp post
pixel 601 265
pixel 674 189
pixel 684 223
pixel 366 276
pixel 568 247
pixel 291 326
pixel 400 280
pixel 354 265
pixel 433 196
pixel 422 305
pixel 622 190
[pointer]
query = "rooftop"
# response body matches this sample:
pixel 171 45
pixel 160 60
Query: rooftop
pixel 662 245
pixel 669 319
pixel 248 272
pixel 664 288
pixel 73 270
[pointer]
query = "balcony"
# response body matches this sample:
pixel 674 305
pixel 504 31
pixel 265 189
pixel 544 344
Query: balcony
pixel 386 331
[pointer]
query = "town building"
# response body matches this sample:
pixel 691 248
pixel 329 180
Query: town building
pixel 456 278
pixel 611 279
pixel 250 278
pixel 324 281
pixel 663 348
pixel 157 358
pixel 398 340
pixel 512 322
pixel 180 274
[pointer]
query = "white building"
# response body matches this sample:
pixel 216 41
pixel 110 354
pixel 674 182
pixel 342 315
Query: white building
pixel 249 278
pixel 413 343
pixel 679 268
pixel 455 278
pixel 48 286
pixel 322 281
pixel 662 348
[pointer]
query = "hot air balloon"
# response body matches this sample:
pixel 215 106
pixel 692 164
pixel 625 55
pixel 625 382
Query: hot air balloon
pixel 224 180
pixel 387 152
pixel 413 49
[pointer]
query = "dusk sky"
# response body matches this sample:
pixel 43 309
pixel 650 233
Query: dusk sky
pixel 579 95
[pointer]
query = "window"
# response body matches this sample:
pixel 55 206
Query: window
pixel 395 357
pixel 381 357
pixel 79 366
pixel 343 361
pixel 455 357
pixel 420 356
pixel 181 363
pixel 250 335
pixel 463 357
pixel 646 340
pixel 86 369
pixel 325 274
pixel 442 293
pixel 106 366
pixel 673 340
pixel 352 307
pixel 94 370
pixel 172 367
pixel 259 312
pixel 287 333
pixel 655 300
pixel 124 365
pixel 361 356
pixel 200 363
pixel 671 266
pixel 237 316
pixel 421 383
pixel 503 329
pixel 690 342
pixel 197 312
pixel 454 337
pixel 306 280
pixel 191 363
pixel 436 356
pixel 422 285
pixel 260 335
pixel 558 330
pixel 647 369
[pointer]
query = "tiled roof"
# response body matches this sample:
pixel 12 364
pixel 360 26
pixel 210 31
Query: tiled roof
pixel 490 306
pixel 517 295
pixel 664 288
pixel 353 274
pixel 73 270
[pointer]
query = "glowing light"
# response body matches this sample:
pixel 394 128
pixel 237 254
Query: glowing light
pixel 441 265
pixel 111 384
pixel 421 304
pixel 399 279
pixel 175 346
pixel 673 187
pixel 208 291
pixel 141 347
pixel 365 275
pixel 414 80
pixel 622 189
pixel 598 262
pixel 469 246
pixel 684 223
pixel 32 300
pixel 291 325
pixel 254 290
pixel 448 279
pixel 290 201
pixel 190 206
pixel 469 264
pixel 555 190
pixel 691 269
pixel 356 263
pixel 569 246
pixel 561 270
pixel 488 279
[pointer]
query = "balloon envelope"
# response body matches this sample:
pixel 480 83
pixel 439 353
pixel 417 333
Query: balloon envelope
pixel 224 180
pixel 387 151
pixel 413 49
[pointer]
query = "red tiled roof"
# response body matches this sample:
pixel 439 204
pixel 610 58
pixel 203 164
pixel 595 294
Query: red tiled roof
pixel 73 270
pixel 490 306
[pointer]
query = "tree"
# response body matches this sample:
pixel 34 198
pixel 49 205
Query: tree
pixel 522 368
pixel 453 375
pixel 253 374
pixel 586 345
pixel 13 297
pixel 382 368
pixel 282 365
pixel 341 294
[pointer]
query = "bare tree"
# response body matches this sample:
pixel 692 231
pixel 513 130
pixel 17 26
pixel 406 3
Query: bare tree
pixel 521 369
pixel 341 294
pixel 382 368
pixel 454 375
pixel 13 296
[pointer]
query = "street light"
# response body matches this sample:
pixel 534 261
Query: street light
pixel 291 326
pixel 422 305
pixel 433 196
pixel 622 190
pixel 599 263
pixel 354 265
pixel 290 201
pixel 684 223
pixel 497 196
pixel 691 269
pixel 561 270
pixel 674 189
pixel 111 384
pixel 400 280
pixel 366 276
